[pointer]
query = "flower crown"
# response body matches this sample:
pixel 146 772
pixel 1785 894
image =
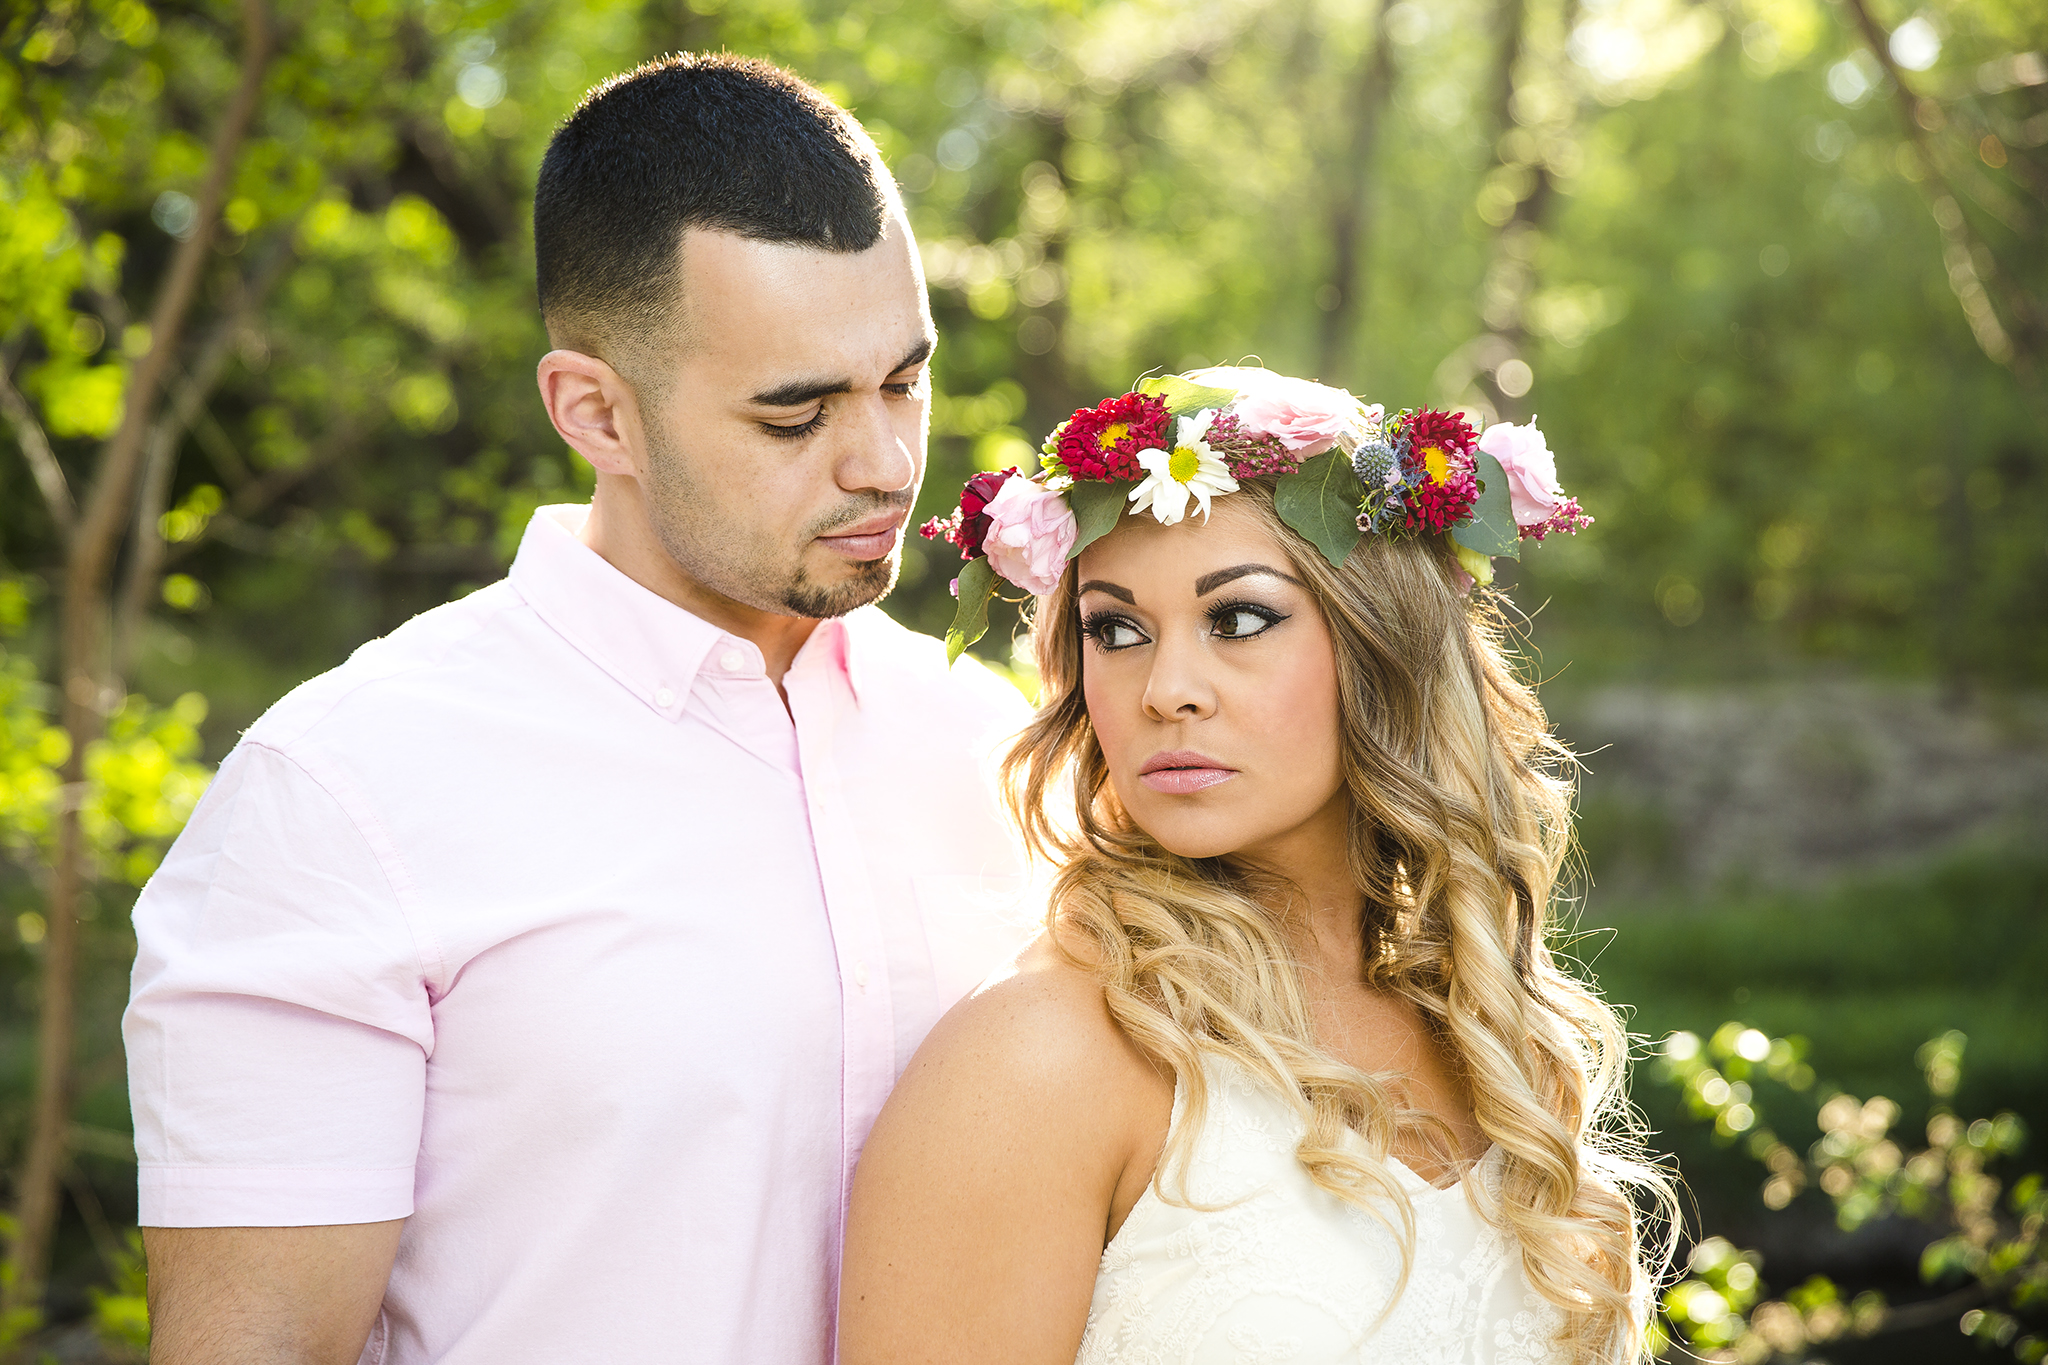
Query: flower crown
pixel 1344 469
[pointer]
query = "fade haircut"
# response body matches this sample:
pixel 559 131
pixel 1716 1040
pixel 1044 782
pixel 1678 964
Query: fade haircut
pixel 692 140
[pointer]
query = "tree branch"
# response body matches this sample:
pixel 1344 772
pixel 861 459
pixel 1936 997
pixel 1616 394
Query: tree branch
pixel 1906 1317
pixel 86 693
pixel 160 459
pixel 100 525
pixel 1960 244
pixel 268 488
pixel 42 461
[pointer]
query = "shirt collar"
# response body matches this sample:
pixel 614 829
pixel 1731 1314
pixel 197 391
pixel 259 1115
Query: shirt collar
pixel 649 645
pixel 832 648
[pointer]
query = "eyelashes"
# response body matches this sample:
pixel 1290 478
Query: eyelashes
pixel 1105 630
pixel 1111 631
pixel 1231 612
pixel 792 433
pixel 906 389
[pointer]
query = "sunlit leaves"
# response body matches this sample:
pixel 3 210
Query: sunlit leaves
pixel 142 779
pixel 1868 1171
pixel 424 402
pixel 77 399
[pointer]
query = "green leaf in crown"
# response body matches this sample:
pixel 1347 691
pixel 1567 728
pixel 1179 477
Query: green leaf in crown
pixel 970 622
pixel 1320 501
pixel 1096 509
pixel 1183 396
pixel 1492 529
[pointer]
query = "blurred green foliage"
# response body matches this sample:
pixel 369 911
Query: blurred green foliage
pixel 1986 1257
pixel 1698 229
pixel 1873 966
pixel 1707 242
pixel 142 780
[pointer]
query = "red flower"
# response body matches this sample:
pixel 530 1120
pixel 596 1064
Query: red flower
pixel 967 526
pixel 1103 442
pixel 1447 431
pixel 1443 486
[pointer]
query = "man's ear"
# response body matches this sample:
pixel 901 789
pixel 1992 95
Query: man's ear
pixel 594 409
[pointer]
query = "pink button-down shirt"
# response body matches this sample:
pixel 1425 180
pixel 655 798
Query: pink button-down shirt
pixel 543 924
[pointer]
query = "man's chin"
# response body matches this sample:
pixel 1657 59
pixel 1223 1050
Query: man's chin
pixel 857 586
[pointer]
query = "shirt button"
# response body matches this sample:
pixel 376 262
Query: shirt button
pixel 732 661
pixel 664 698
pixel 860 975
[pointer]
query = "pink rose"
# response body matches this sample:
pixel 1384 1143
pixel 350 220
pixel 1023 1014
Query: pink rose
pixel 1030 532
pixel 1304 416
pixel 1531 471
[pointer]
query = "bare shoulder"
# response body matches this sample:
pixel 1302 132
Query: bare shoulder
pixel 1006 1158
pixel 996 1173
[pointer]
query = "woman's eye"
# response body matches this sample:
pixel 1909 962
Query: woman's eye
pixel 1112 632
pixel 1236 623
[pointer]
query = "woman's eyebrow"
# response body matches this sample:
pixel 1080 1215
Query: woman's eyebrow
pixel 1209 582
pixel 1120 594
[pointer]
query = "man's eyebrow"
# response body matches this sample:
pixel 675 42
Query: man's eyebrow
pixel 917 355
pixel 1209 582
pixel 1097 585
pixel 798 392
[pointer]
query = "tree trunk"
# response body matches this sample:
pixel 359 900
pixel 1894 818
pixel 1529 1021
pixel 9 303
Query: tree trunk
pixel 1510 276
pixel 1343 297
pixel 1047 375
pixel 89 694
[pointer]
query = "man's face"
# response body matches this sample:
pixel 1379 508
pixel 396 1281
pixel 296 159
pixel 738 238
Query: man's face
pixel 786 447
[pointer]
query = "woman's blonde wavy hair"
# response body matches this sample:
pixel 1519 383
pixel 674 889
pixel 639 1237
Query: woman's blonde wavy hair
pixel 1461 823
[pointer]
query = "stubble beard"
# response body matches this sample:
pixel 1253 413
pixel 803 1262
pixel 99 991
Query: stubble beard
pixel 707 549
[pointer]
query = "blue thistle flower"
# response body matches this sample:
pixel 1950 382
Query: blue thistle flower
pixel 1372 461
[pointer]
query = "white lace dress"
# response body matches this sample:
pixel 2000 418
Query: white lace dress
pixel 1286 1274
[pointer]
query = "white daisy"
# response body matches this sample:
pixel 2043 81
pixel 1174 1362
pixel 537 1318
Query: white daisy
pixel 1190 469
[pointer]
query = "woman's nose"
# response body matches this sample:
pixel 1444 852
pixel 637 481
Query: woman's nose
pixel 1178 688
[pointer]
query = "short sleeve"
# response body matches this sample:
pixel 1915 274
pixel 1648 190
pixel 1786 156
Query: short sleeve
pixel 279 1020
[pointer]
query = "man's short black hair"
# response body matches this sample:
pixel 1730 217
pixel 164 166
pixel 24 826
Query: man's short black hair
pixel 692 140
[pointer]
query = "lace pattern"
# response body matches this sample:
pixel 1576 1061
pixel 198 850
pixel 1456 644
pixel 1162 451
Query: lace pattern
pixel 1272 1270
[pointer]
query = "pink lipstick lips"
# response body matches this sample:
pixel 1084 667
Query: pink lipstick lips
pixel 1183 771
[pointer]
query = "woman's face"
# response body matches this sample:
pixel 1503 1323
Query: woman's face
pixel 1212 684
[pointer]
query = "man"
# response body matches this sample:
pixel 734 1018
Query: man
pixel 523 989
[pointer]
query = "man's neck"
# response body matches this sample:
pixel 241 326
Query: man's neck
pixel 624 539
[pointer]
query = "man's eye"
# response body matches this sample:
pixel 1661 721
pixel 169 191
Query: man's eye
pixel 790 433
pixel 1239 622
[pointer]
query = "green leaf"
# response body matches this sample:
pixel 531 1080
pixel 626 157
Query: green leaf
pixel 1492 530
pixel 1181 397
pixel 1320 500
pixel 1096 507
pixel 970 622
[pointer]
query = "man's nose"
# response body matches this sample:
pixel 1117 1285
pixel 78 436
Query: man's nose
pixel 875 455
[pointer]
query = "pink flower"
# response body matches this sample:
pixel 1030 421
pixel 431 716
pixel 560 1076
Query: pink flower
pixel 1304 416
pixel 1030 531
pixel 1531 471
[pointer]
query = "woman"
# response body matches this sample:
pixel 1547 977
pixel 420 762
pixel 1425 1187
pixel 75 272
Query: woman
pixel 1293 1074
